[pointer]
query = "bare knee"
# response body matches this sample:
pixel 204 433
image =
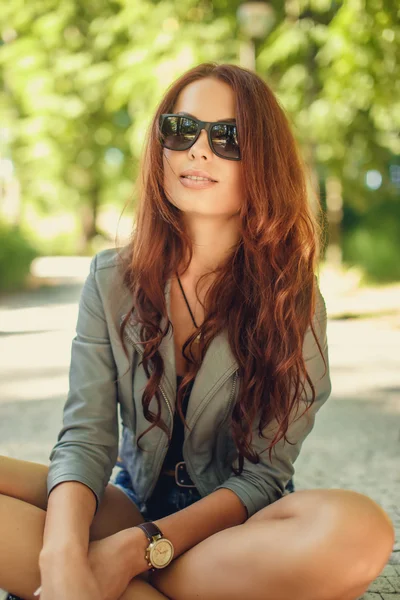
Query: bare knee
pixel 341 534
pixel 370 532
pixel 24 480
pixel 354 534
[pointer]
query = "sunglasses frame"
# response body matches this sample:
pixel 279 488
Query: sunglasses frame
pixel 207 125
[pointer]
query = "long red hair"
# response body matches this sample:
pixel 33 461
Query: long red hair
pixel 264 294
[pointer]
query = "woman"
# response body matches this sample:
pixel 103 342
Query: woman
pixel 215 298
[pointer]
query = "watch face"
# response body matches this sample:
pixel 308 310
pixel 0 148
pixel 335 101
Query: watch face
pixel 161 554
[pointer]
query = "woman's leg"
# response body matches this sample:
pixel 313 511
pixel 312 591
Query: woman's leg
pixel 314 544
pixel 23 502
pixel 141 590
pixel 310 545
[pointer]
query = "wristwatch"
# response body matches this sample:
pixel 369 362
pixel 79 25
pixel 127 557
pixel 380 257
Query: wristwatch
pixel 160 551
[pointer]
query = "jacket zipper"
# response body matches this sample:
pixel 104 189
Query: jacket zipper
pixel 162 391
pixel 228 411
pixel 164 453
pixel 189 470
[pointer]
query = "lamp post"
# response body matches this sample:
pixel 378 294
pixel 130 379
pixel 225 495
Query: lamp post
pixel 256 20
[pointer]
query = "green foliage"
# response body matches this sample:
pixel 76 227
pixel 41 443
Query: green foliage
pixel 373 242
pixel 375 251
pixel 335 68
pixel 62 244
pixel 16 255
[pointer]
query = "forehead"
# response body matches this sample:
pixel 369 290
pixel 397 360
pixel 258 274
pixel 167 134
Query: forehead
pixel 207 99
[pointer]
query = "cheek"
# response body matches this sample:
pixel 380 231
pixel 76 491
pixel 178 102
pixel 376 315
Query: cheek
pixel 170 158
pixel 171 183
pixel 236 182
pixel 171 167
pixel 168 169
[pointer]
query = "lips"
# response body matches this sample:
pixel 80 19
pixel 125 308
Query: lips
pixel 197 173
pixel 191 178
pixel 196 184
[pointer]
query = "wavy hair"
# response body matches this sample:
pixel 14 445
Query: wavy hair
pixel 264 294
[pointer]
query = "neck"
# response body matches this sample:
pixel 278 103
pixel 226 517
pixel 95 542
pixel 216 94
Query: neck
pixel 213 240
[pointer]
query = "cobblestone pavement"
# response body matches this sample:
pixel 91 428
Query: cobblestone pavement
pixel 355 443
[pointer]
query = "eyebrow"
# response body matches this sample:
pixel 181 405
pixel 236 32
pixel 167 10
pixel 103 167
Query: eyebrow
pixel 230 120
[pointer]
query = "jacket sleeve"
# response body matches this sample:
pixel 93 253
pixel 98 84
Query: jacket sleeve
pixel 263 483
pixel 87 445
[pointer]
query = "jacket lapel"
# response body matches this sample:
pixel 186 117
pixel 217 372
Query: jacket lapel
pixel 218 365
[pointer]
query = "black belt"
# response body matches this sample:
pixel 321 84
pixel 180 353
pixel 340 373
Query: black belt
pixel 182 477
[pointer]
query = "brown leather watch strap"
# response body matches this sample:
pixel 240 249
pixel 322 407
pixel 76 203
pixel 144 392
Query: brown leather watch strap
pixel 150 529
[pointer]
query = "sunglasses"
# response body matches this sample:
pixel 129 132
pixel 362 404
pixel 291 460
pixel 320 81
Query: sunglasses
pixel 179 132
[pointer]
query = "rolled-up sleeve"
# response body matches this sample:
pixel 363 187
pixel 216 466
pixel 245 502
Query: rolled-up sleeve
pixel 263 483
pixel 87 445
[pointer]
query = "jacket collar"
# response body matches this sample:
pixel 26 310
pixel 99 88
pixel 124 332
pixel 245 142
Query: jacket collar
pixel 218 364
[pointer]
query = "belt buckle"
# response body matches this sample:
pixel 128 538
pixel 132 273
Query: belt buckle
pixel 180 477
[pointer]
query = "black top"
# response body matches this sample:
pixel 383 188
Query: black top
pixel 174 453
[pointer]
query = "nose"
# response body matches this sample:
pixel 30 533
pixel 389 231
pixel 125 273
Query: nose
pixel 201 145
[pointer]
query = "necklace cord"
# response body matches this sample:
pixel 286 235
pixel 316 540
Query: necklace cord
pixel 187 303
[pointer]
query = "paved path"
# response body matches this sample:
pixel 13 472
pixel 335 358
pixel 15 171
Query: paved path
pixel 355 443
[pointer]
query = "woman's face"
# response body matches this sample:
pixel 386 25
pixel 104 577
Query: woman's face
pixel 208 100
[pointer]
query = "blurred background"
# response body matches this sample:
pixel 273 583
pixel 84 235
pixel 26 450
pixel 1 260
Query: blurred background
pixel 79 84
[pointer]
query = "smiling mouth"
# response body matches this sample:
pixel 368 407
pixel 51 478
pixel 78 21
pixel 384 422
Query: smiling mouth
pixel 196 184
pixel 193 178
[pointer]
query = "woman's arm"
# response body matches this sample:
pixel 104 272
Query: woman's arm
pixel 186 528
pixel 263 483
pixel 70 510
pixel 87 445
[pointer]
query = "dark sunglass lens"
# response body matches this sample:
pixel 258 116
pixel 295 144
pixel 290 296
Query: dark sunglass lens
pixel 225 140
pixel 178 132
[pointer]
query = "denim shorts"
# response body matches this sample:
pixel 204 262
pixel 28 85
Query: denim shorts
pixel 166 499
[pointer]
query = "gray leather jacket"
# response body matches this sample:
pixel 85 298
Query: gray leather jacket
pixel 88 444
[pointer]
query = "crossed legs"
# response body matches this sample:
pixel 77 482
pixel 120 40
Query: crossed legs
pixel 313 544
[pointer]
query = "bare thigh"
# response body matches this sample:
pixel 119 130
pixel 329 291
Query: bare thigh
pixel 328 544
pixel 23 502
pixel 27 481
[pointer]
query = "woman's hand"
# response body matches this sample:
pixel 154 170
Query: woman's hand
pixel 104 574
pixel 68 578
pixel 112 562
